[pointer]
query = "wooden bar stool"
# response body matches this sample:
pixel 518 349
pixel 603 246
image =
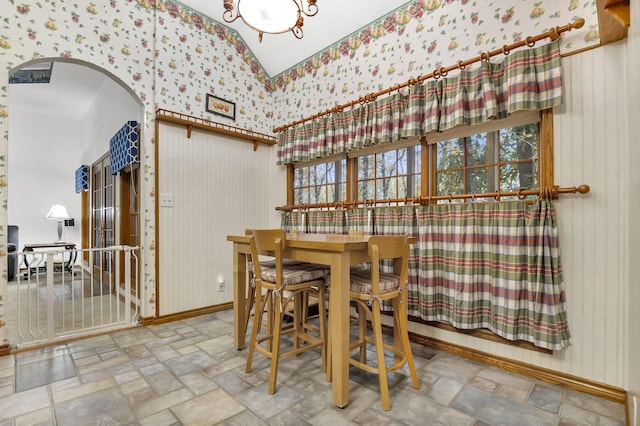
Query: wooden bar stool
pixel 281 286
pixel 368 290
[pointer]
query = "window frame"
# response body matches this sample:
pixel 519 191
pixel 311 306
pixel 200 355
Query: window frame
pixel 428 157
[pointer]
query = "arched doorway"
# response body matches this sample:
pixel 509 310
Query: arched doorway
pixel 62 115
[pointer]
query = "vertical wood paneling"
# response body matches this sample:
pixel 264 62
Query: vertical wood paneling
pixel 631 175
pixel 219 186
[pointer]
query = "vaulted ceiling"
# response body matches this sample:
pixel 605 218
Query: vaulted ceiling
pixel 335 20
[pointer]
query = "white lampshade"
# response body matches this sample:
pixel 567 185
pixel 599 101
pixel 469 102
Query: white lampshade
pixel 57 212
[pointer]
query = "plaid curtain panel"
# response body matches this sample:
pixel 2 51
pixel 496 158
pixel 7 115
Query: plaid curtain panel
pixel 292 221
pixel 478 265
pixel 494 266
pixel 360 219
pixel 398 221
pixel 381 121
pixel 326 222
pixel 469 98
pixel 285 221
pixel 527 79
pixel 422 113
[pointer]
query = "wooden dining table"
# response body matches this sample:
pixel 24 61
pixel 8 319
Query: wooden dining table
pixel 336 250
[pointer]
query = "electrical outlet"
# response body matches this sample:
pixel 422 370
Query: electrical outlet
pixel 221 285
pixel 166 200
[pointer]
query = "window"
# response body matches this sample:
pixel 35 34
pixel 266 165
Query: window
pixel 503 156
pixel 322 183
pixel 389 175
pixel 504 160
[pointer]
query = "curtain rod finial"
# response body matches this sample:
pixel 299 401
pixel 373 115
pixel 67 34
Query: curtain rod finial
pixel 578 23
pixel 583 189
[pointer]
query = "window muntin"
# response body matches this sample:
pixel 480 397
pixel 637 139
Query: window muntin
pixel 505 160
pixel 321 183
pixel 389 175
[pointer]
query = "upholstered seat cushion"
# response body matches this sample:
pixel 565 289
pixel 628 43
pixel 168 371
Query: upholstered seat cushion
pixel 366 266
pixel 296 274
pixel 361 282
pixel 272 264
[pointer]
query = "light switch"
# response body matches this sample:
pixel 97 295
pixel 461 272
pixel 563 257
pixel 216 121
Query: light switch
pixel 166 200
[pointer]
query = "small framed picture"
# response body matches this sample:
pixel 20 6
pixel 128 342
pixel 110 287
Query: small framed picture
pixel 221 107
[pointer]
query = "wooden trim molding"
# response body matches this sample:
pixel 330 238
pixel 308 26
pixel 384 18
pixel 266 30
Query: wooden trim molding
pixel 5 349
pixel 186 314
pixel 482 333
pixel 191 122
pixel 601 390
pixel 613 20
pixel 619 10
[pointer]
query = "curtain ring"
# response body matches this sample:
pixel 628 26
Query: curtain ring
pixel 450 198
pixel 505 50
pixel 520 196
pixel 473 197
pixel 530 42
pixel 484 56
pixel 461 66
pixel 443 72
pixel 436 74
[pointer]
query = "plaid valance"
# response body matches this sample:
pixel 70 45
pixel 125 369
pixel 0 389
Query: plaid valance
pixel 527 79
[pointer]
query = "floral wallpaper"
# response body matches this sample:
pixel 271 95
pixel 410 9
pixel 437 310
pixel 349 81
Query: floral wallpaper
pixel 415 40
pixel 172 56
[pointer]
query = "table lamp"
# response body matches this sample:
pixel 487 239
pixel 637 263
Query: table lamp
pixel 58 212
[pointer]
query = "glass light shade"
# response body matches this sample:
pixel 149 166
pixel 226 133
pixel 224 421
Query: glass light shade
pixel 271 16
pixel 57 212
pixel 274 16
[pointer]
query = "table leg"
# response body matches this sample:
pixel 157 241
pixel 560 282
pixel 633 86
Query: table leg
pixel 339 311
pixel 239 296
pixel 73 255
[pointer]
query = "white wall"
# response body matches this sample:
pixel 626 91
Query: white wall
pixel 41 166
pixel 112 107
pixel 220 186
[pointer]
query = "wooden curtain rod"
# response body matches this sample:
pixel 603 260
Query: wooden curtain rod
pixel 542 193
pixel 553 34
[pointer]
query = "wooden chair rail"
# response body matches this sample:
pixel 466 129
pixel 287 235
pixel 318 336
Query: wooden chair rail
pixel 191 122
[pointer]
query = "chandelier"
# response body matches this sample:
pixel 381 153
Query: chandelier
pixel 272 17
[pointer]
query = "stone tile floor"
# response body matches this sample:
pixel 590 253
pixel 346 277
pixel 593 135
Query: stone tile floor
pixel 188 373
